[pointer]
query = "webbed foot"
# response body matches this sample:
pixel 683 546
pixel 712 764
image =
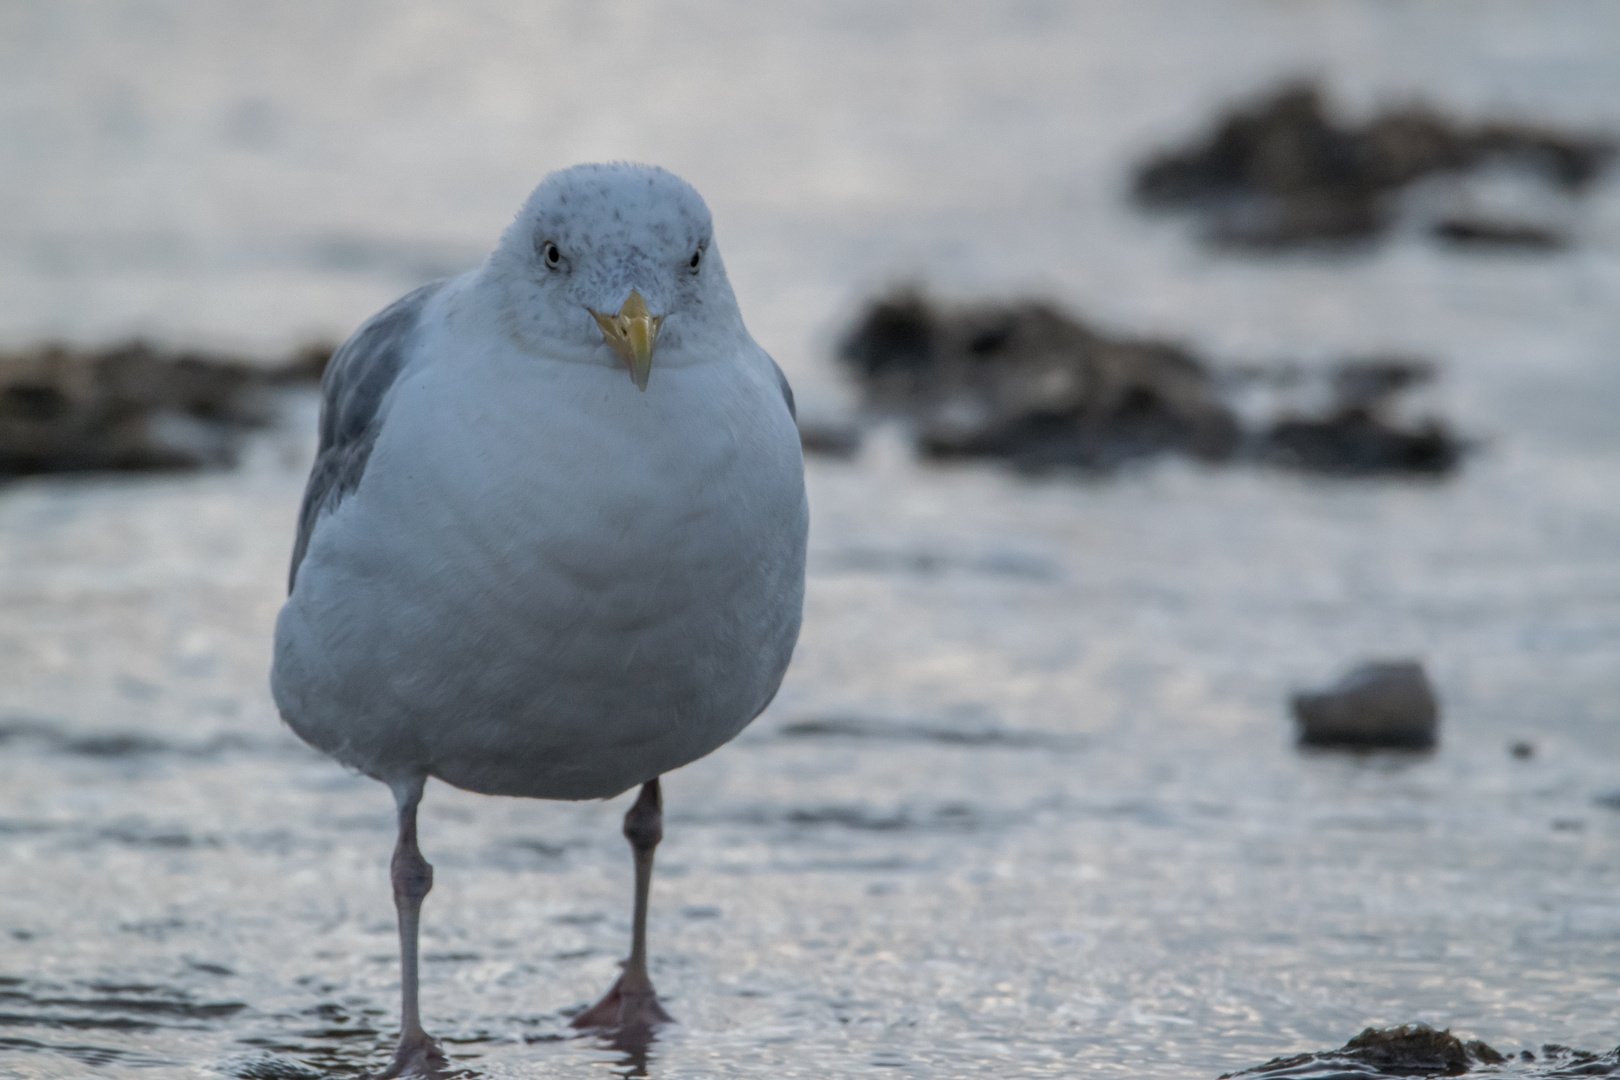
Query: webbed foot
pixel 417 1056
pixel 625 1012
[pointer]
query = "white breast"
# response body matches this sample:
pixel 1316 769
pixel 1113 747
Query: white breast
pixel 549 583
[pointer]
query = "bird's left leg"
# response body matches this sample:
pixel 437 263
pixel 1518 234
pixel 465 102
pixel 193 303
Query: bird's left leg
pixel 632 1005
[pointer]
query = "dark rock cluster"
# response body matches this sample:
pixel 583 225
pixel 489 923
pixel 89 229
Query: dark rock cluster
pixel 1029 384
pixel 1420 1050
pixel 1025 382
pixel 1408 1050
pixel 133 407
pixel 1281 172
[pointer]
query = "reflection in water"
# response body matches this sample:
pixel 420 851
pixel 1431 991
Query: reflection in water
pixel 634 1045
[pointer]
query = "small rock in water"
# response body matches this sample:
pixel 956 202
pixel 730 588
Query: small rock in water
pixel 1386 704
pixel 1408 1050
pixel 1026 382
pixel 1281 172
pixel 133 407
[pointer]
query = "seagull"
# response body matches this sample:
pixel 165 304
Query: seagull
pixel 553 542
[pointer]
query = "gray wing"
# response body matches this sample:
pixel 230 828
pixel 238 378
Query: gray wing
pixel 356 380
pixel 787 391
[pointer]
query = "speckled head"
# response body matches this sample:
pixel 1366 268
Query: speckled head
pixel 605 263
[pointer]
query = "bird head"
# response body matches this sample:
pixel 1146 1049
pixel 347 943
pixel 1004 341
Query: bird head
pixel 613 264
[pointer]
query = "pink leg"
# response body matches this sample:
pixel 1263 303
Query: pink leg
pixel 631 1007
pixel 418 1054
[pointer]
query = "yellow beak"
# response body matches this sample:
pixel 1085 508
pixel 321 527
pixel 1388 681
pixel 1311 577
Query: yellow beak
pixel 633 333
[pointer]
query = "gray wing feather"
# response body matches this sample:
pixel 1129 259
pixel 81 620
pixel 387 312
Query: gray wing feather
pixel 359 375
pixel 787 391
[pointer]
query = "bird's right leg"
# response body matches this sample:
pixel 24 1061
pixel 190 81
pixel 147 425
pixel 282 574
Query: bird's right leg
pixel 418 1054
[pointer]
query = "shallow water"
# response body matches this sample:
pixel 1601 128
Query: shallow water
pixel 1027 804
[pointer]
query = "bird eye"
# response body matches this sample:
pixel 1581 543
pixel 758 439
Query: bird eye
pixel 549 252
pixel 697 257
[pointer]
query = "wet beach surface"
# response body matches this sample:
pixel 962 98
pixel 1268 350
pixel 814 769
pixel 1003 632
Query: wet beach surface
pixel 1023 808
pixel 1028 803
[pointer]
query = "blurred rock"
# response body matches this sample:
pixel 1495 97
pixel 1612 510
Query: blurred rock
pixel 133 407
pixel 1356 434
pixel 1408 1050
pixel 1386 704
pixel 1478 232
pixel 1356 442
pixel 1026 382
pixel 830 436
pixel 1346 419
pixel 1280 172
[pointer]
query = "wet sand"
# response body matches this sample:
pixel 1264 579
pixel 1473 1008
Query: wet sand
pixel 1028 804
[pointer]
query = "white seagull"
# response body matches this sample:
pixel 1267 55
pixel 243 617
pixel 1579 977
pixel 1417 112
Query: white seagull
pixel 524 573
